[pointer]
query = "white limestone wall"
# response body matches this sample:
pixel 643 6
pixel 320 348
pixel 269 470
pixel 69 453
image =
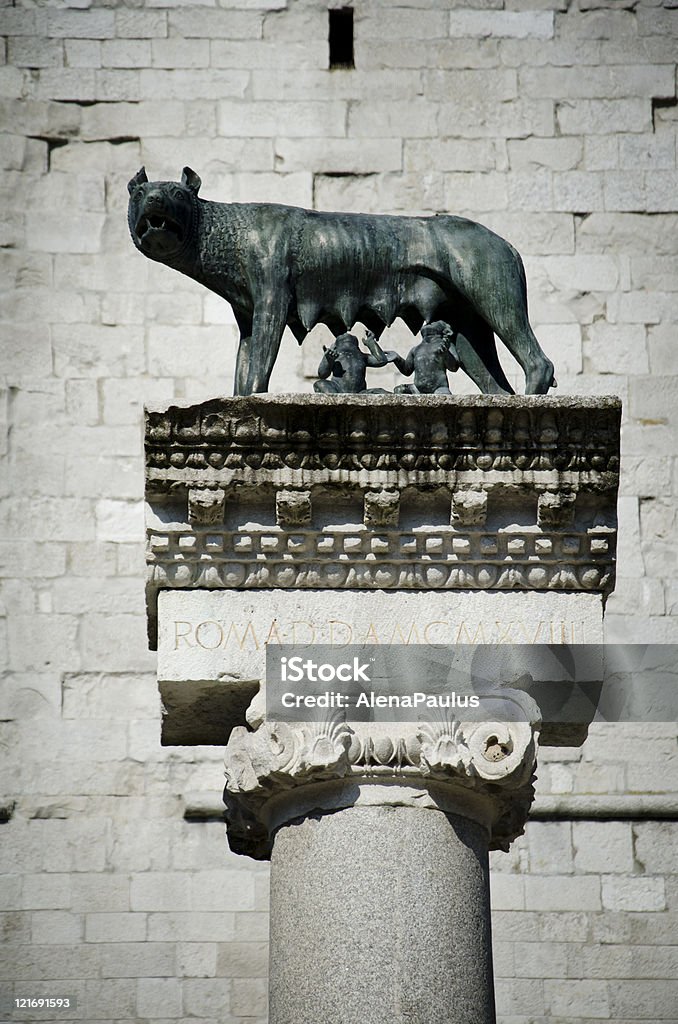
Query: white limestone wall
pixel 552 121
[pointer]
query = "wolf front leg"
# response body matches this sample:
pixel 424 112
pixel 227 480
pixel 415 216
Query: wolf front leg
pixel 258 349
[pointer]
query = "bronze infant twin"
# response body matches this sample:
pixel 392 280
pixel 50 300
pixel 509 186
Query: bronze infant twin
pixel 344 363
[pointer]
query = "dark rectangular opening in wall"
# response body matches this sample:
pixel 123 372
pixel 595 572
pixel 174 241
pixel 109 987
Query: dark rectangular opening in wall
pixel 341 37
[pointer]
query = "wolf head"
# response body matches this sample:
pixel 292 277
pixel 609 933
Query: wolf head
pixel 162 214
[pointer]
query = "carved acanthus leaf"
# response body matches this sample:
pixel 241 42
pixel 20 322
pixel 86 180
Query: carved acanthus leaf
pixel 492 760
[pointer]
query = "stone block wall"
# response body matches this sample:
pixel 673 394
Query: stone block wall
pixel 551 121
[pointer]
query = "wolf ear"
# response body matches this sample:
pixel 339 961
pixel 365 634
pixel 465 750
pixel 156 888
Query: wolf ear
pixel 138 179
pixel 191 180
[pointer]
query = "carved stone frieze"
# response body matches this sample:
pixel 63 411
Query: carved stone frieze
pixel 254 492
pixel 435 560
pixel 469 508
pixel 556 509
pixel 382 508
pixel 324 437
pixel 284 769
pixel 206 505
pixel 293 508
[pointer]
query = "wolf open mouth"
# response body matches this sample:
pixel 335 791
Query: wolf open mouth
pixel 148 223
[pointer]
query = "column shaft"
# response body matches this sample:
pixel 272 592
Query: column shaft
pixel 380 915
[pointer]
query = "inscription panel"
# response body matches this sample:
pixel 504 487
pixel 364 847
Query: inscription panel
pixel 223 635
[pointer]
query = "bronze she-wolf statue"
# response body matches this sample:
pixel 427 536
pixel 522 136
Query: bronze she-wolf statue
pixel 284 266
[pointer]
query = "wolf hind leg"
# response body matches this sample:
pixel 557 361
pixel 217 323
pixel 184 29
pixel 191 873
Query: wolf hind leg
pixel 538 368
pixel 477 351
pixel 517 334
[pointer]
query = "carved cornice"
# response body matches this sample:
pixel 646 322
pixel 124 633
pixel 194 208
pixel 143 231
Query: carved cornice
pixel 283 769
pixel 326 436
pixel 431 559
pixel 553 463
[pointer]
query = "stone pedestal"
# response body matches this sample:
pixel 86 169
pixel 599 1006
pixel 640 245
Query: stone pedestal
pixel 374 519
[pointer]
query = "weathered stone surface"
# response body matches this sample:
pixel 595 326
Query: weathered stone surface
pixel 206 505
pixel 472 461
pixel 479 769
pixel 350 932
pixel 254 462
pixel 212 643
pixel 223 634
pixel 382 508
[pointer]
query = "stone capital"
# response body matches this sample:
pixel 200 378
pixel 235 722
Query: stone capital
pixel 285 770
